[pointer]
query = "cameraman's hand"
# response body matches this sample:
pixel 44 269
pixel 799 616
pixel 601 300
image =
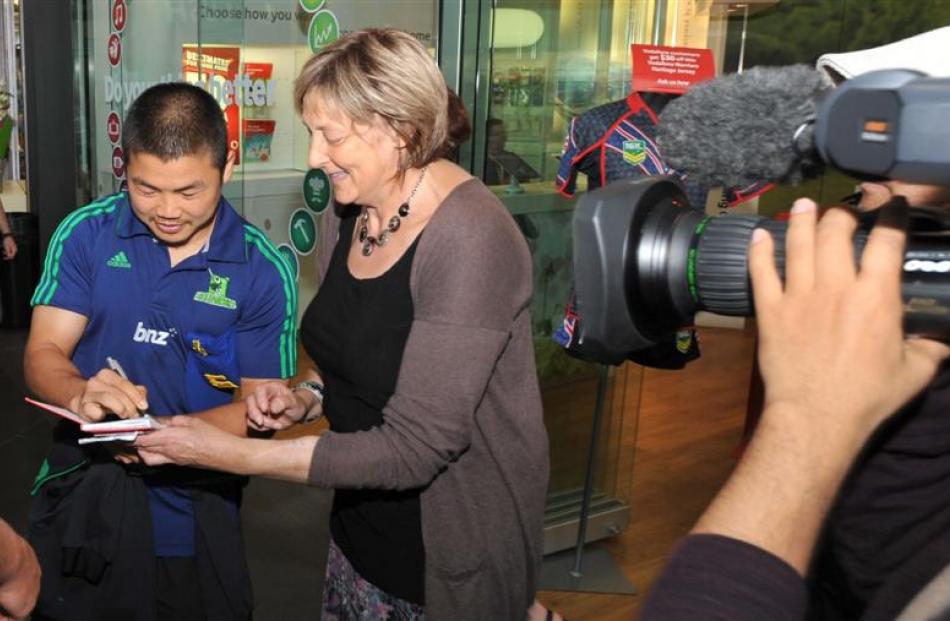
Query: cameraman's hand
pixel 831 344
pixel 835 364
pixel 875 194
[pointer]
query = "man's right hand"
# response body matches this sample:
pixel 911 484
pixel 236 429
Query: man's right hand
pixel 107 393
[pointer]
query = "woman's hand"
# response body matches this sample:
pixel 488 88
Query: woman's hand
pixel 187 441
pixel 274 406
pixel 190 441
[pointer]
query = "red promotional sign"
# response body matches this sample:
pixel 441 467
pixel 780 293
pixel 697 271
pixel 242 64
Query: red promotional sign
pixel 114 127
pixel 663 69
pixel 120 13
pixel 259 70
pixel 217 67
pixel 118 162
pixel 115 49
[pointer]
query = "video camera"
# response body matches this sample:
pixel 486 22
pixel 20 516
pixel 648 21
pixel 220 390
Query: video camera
pixel 645 261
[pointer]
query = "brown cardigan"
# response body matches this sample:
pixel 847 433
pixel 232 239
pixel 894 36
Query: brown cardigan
pixel 465 421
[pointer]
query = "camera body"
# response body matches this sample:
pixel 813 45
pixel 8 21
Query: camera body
pixel 645 261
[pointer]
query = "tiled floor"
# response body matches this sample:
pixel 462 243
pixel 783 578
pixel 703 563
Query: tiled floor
pixel 285 525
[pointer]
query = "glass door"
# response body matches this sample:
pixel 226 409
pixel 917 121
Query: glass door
pixel 540 64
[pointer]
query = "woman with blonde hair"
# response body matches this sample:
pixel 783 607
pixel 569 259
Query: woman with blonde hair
pixel 421 336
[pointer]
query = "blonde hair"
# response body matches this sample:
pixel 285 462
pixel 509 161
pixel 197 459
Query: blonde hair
pixel 384 72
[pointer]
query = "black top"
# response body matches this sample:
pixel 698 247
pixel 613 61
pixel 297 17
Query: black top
pixel 889 531
pixel 886 538
pixel 355 330
pixel 717 577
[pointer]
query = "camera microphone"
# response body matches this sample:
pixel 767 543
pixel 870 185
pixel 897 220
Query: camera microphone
pixel 739 129
pixel 780 124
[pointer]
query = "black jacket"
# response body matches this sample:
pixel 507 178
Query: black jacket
pixel 91 528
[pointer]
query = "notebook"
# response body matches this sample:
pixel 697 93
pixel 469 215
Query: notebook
pixel 122 430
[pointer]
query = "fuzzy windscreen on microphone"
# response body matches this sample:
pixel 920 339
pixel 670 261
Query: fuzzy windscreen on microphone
pixel 739 129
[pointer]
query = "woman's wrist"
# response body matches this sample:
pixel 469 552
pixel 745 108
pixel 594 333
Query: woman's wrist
pixel 306 400
pixel 310 394
pixel 289 460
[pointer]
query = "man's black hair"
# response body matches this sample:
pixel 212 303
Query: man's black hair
pixel 176 119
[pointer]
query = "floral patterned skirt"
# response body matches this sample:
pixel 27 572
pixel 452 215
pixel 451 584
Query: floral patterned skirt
pixel 348 597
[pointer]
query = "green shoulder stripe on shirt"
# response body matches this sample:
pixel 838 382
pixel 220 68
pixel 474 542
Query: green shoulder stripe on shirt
pixel 65 228
pixel 288 340
pixel 289 331
pixel 49 281
pixel 288 335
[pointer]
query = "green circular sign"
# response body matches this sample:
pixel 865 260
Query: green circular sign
pixel 324 30
pixel 316 190
pixel 311 5
pixel 291 258
pixel 302 232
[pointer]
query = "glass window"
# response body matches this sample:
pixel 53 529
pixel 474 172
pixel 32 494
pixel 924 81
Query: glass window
pixel 551 61
pixel 247 54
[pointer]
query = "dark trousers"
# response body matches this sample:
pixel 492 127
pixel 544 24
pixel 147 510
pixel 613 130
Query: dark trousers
pixel 178 590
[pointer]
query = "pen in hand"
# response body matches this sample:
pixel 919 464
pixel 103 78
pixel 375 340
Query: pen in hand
pixel 117 368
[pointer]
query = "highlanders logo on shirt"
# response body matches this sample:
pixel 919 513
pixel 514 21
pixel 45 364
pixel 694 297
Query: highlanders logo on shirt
pixel 634 151
pixel 217 293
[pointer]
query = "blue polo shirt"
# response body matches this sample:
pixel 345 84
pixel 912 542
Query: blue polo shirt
pixel 188 332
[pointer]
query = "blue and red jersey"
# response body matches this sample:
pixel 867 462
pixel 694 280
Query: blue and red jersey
pixel 617 140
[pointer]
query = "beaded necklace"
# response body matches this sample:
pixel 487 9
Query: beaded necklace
pixel 370 242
